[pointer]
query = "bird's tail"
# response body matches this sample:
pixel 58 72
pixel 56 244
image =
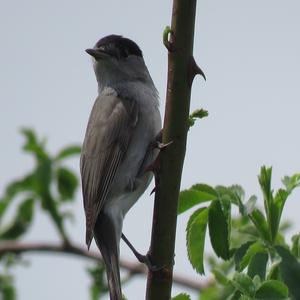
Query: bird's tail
pixel 108 244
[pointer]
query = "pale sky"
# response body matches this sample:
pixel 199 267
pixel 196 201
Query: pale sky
pixel 249 51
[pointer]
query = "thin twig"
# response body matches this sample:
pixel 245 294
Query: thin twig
pixel 72 249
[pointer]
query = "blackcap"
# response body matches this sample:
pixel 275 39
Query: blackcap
pixel 117 147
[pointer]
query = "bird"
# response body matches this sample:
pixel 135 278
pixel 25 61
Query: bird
pixel 118 146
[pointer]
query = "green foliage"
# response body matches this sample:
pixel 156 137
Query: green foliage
pixel 197 194
pixel 7 289
pixel 272 289
pixel 98 285
pixel 20 222
pixel 218 229
pixel 290 270
pixel 197 114
pixel 49 184
pixel 195 237
pixel 39 186
pixel 260 264
pixel 67 183
pixel 256 260
pixel 181 297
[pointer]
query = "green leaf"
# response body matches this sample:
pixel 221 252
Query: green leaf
pixel 26 184
pixel 277 207
pixel 181 297
pixel 250 205
pixel 296 245
pixel 271 212
pixel 67 183
pixel 291 182
pixel 195 237
pixel 265 183
pixel 240 253
pixel 197 194
pixel 33 145
pixel 68 152
pixel 234 193
pixel 197 114
pixel 218 230
pixel 220 276
pixel 210 293
pixel 257 281
pixel 272 290
pixel 98 284
pixel 21 221
pixel 244 284
pixel 290 271
pixel 261 225
pixel 274 271
pixel 258 265
pixel 251 251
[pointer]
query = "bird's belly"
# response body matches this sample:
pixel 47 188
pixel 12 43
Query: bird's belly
pixel 120 203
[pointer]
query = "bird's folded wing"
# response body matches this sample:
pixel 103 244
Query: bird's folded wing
pixel 108 134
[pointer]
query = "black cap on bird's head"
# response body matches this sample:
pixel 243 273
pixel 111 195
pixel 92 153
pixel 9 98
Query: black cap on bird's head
pixel 115 46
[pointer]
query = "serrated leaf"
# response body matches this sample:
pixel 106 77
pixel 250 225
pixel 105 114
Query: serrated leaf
pixel 260 223
pixel 197 194
pixel 290 271
pixel 68 152
pixel 258 265
pixel 272 290
pixel 195 238
pixel 244 284
pixel 218 230
pixel 21 221
pixel 181 297
pixel 67 183
pixel 251 251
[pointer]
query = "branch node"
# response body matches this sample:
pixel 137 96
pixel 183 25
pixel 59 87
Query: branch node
pixel 168 38
pixel 194 70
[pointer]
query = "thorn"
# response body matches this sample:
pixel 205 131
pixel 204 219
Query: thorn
pixel 194 70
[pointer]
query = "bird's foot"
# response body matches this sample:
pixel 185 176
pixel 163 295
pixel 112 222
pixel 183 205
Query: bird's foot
pixel 144 259
pixel 157 144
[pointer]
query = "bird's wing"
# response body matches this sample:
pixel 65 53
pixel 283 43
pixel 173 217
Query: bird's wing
pixel 107 137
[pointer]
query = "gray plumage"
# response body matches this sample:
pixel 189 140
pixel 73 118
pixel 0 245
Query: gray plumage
pixel 117 147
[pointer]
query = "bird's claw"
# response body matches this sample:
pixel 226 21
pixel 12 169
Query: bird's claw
pixel 145 259
pixel 162 146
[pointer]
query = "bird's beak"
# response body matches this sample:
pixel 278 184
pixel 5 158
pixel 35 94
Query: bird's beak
pixel 96 53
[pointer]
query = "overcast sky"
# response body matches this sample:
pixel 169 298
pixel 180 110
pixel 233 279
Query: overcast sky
pixel 249 51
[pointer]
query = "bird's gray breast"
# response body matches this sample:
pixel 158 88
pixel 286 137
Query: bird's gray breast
pixel 131 180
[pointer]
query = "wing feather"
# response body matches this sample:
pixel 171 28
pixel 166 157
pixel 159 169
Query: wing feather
pixel 108 134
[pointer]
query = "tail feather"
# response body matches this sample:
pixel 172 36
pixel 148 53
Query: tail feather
pixel 105 237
